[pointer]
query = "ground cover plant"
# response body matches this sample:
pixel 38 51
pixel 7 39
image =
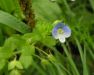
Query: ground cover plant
pixel 46 37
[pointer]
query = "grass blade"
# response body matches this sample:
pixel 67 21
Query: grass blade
pixel 83 57
pixel 11 21
pixel 92 4
pixel 71 60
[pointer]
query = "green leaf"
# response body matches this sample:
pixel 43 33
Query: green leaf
pixel 44 61
pixel 14 72
pixel 18 11
pixel 26 61
pixel 8 31
pixel 12 65
pixel 9 46
pixel 7 5
pixel 13 22
pixel 12 6
pixel 15 64
pixel 5 53
pixel 2 63
pixel 50 11
pixel 28 50
pixel 49 41
pixel 19 65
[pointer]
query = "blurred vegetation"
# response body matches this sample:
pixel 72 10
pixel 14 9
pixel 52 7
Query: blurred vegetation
pixel 24 51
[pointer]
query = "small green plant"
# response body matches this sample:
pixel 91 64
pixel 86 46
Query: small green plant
pixel 39 52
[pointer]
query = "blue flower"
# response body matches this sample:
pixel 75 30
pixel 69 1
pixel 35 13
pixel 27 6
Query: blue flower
pixel 61 31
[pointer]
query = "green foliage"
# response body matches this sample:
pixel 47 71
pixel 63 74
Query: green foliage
pixel 26 61
pixel 92 4
pixel 12 6
pixel 50 10
pixel 11 21
pixel 37 52
pixel 14 64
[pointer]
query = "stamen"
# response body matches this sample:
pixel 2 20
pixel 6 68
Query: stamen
pixel 60 31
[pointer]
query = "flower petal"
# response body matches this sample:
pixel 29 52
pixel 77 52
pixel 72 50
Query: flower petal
pixel 67 31
pixel 54 33
pixel 59 25
pixel 55 29
pixel 62 39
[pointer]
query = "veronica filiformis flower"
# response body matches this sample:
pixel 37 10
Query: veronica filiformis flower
pixel 61 32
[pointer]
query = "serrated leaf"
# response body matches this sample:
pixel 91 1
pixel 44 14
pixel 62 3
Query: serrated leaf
pixel 15 64
pixel 19 65
pixel 12 65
